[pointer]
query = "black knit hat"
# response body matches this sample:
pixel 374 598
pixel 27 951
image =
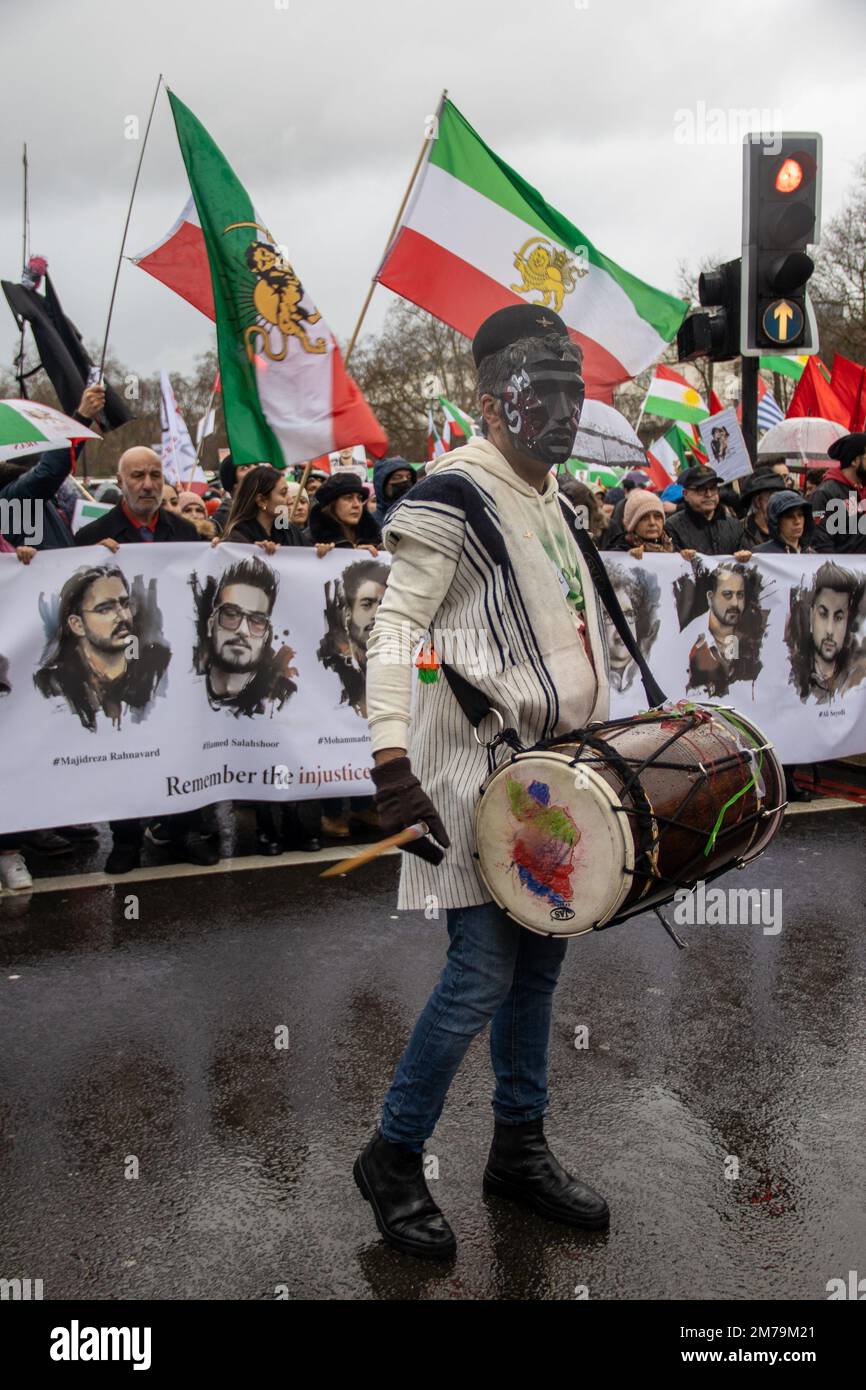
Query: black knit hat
pixel 513 322
pixel 847 449
pixel 340 484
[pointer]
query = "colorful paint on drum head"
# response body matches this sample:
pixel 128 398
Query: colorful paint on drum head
pixel 610 821
pixel 551 848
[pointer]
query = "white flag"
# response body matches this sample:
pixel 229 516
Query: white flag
pixel 180 465
pixel 205 426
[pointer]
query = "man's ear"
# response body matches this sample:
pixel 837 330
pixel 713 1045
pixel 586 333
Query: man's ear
pixel 74 623
pixel 491 410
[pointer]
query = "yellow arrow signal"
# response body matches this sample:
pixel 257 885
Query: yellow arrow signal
pixel 782 314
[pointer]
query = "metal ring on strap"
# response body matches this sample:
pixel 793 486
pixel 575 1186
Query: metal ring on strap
pixel 496 715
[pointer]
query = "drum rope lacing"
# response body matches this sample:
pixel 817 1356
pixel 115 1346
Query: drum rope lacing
pixel 648 823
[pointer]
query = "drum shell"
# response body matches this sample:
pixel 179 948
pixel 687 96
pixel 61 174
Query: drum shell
pixel 673 779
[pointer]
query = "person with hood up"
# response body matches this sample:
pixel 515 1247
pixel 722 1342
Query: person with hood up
pixel 392 479
pixel 790 525
pixel 837 498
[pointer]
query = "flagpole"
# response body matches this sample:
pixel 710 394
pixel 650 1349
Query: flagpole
pixel 210 407
pixel 24 249
pixel 126 226
pixel 418 162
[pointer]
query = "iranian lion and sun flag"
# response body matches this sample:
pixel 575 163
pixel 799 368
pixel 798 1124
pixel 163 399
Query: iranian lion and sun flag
pixel 475 236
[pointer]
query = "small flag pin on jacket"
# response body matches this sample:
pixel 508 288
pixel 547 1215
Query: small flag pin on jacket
pixel 427 664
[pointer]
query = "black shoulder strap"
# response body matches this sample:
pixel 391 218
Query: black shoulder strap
pixel 607 594
pixel 476 706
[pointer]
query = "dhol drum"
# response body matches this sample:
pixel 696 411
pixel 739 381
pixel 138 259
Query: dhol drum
pixel 584 831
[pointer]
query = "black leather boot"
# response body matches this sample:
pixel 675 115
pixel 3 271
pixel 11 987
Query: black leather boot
pixel 521 1167
pixel 391 1179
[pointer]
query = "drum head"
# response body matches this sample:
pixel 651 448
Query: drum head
pixel 552 849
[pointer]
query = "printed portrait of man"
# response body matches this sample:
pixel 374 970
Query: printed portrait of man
pixel 351 605
pixel 720 439
pixel 721 644
pixel 638 593
pixel 100 658
pixel 827 657
pixel 243 671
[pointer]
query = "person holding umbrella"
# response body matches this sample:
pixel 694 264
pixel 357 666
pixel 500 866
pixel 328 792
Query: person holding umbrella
pixel 23 481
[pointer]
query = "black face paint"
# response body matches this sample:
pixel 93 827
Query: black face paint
pixel 541 407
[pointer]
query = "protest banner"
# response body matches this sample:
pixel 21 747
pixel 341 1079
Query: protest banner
pixel 164 678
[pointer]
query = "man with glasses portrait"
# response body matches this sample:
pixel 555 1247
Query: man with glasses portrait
pixel 243 672
pixel 98 661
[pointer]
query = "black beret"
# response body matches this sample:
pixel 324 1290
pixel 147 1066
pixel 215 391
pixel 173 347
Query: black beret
pixel 513 322
pixel 697 476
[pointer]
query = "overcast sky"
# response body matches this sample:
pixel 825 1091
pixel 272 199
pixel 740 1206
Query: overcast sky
pixel 320 106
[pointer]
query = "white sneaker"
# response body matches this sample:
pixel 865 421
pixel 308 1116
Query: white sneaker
pixel 13 872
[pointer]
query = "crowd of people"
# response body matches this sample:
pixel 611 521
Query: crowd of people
pixel 772 511
pixel 255 504
pixel 250 504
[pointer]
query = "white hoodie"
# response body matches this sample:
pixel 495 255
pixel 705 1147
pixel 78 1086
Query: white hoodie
pixel 481 564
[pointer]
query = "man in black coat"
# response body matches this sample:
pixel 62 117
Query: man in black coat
pixel 29 487
pixel 702 524
pixel 139 519
pixel 138 515
pixel 756 492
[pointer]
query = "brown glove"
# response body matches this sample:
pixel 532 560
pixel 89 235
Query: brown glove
pixel 401 801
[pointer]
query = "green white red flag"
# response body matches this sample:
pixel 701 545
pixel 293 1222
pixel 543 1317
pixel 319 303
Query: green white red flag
pixel 458 427
pixel 286 393
pixel 476 236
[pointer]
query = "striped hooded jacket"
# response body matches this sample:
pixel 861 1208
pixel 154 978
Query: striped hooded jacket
pixel 486 568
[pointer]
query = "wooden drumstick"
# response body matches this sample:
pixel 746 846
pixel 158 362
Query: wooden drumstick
pixel 403 837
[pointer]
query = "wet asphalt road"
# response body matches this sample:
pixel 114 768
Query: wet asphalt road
pixel 154 1039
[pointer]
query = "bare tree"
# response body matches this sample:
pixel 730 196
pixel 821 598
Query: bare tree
pixel 839 285
pixel 392 368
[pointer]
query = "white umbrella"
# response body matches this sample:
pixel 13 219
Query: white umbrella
pixel 26 427
pixel 800 438
pixel 606 437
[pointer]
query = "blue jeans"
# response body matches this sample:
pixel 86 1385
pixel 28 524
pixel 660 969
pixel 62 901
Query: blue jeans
pixel 496 970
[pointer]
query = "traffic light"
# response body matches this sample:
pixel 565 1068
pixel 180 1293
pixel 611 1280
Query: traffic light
pixel 781 217
pixel 715 335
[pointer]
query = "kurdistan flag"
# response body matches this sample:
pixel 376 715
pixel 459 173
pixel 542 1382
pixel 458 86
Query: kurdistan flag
pixel 476 236
pixel 286 393
pixel 673 398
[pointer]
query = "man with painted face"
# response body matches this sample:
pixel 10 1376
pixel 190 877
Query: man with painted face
pixel 481 547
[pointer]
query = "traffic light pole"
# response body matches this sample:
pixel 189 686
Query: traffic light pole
pixel 749 395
